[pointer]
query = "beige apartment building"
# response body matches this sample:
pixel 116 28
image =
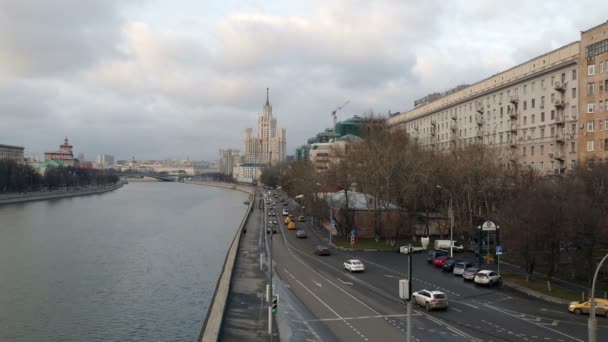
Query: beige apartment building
pixel 12 153
pixel 593 123
pixel 529 113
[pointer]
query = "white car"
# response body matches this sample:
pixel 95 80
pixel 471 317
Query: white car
pixel 430 299
pixel 354 265
pixel 487 277
pixel 285 212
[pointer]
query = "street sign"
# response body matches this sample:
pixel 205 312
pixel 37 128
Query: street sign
pixel 488 226
pixel 352 232
pixel 333 222
pixel 498 250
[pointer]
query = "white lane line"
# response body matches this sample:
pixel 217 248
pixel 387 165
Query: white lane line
pixel 318 284
pixel 453 308
pixel 463 303
pixel 535 323
pixel 344 282
pixel 555 311
pixel 361 317
pixel 390 276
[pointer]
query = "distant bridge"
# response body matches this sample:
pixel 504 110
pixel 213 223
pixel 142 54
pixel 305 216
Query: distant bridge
pixel 160 177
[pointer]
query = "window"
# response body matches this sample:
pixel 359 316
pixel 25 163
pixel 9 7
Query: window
pixel 552 114
pixel 591 107
pixel 601 106
pixel 590 126
pixel 532 88
pixel 542 132
pixel 590 88
pixel 542 166
pixel 542 116
pixel 573 93
pixel 525 120
pixel 601 87
pixel 574 111
pixel 601 125
pixel 532 118
pixel 542 84
pixel 600 144
pixel 523 151
pixel 574 74
pixel 526 86
pixel 532 150
pixel 542 102
pixel 525 104
pixel 601 70
pixel 542 150
pixel 591 71
pixel 572 146
pixel 590 145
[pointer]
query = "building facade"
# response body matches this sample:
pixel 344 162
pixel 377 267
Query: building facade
pixel 9 152
pixel 228 159
pixel 593 123
pixel 64 155
pixel 105 160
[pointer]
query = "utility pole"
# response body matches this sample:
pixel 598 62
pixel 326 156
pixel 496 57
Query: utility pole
pixel 409 291
pixel 592 323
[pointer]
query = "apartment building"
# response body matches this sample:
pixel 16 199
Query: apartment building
pixel 11 152
pixel 593 124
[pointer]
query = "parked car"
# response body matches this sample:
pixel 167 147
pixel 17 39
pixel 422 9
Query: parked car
pixel 440 261
pixel 431 299
pixel 434 254
pixel 285 212
pixel 487 277
pixel 460 266
pixel 322 250
pixel 354 265
pixel 579 307
pixel 301 234
pixel 301 219
pixel 469 273
pixel 449 265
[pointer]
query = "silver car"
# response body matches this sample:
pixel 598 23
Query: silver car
pixel 459 267
pixel 431 299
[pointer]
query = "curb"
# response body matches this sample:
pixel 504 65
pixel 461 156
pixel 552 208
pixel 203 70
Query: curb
pixel 535 294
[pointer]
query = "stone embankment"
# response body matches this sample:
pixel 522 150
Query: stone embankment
pixel 46 195
pixel 215 314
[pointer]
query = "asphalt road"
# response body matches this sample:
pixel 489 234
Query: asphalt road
pixel 365 306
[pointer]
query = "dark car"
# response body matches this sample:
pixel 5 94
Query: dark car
pixel 322 250
pixel 435 254
pixel 449 265
pixel 301 234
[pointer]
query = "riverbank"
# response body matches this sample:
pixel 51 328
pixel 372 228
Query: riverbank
pixel 46 195
pixel 215 315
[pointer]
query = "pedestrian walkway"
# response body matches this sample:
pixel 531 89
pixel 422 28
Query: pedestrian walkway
pixel 246 315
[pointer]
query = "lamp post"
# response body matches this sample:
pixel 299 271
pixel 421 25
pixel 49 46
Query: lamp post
pixel 592 323
pixel 451 216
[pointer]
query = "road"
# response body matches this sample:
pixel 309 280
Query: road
pixel 365 306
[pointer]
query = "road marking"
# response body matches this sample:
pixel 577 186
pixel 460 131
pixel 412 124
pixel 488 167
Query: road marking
pixel 345 282
pixel 361 317
pixel 390 276
pixel 555 311
pixel 318 284
pixel 467 304
pixel 453 308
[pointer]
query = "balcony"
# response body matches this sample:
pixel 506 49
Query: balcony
pixel 453 126
pixel 513 128
pixel 559 155
pixel 479 133
pixel 558 103
pixel 479 120
pixel 513 114
pixel 560 119
pixel 559 137
pixel 433 131
pixel 514 99
pixel 479 107
pixel 559 86
pixel 512 142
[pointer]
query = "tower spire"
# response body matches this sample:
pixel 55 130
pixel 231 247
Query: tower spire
pixel 267 91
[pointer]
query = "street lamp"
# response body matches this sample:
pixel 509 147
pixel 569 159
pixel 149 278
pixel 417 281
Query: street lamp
pixel 592 323
pixel 451 216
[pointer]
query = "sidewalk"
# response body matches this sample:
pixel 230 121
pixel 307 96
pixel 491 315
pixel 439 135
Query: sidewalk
pixel 246 315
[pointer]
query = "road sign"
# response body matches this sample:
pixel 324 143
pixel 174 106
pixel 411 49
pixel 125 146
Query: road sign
pixel 498 250
pixel 352 232
pixel 352 240
pixel 488 226
pixel 333 222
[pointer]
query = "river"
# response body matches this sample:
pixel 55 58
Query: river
pixel 136 264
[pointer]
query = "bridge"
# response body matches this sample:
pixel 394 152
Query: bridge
pixel 160 177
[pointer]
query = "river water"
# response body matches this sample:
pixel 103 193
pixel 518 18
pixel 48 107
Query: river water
pixel 136 264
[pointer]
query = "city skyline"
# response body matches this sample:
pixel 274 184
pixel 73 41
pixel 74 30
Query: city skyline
pixel 185 80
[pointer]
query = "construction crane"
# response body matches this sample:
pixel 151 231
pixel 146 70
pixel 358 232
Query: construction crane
pixel 333 114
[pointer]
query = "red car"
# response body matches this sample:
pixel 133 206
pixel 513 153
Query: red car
pixel 438 262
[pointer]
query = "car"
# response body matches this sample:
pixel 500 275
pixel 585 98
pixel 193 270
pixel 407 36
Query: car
pixel 460 266
pixel 272 229
pixel 431 299
pixel 434 254
pixel 274 222
pixel 354 265
pixel 469 273
pixel 322 250
pixel 285 212
pixel 440 261
pixel 271 213
pixel 301 234
pixel 285 204
pixel 290 216
pixel 449 265
pixel 287 220
pixel 487 277
pixel 301 219
pixel 579 307
pixel 291 225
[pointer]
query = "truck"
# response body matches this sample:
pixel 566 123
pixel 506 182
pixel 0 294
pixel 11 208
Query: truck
pixel 444 245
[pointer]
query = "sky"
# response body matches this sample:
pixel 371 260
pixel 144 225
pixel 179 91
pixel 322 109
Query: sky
pixel 155 79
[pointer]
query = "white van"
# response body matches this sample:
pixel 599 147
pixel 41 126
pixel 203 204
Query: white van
pixel 445 245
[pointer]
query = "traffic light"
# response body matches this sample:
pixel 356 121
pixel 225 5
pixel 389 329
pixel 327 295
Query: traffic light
pixel 275 301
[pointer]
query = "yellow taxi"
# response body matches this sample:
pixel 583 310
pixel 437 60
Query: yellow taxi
pixel 301 219
pixel 291 225
pixel 287 220
pixel 601 307
pixel 290 216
